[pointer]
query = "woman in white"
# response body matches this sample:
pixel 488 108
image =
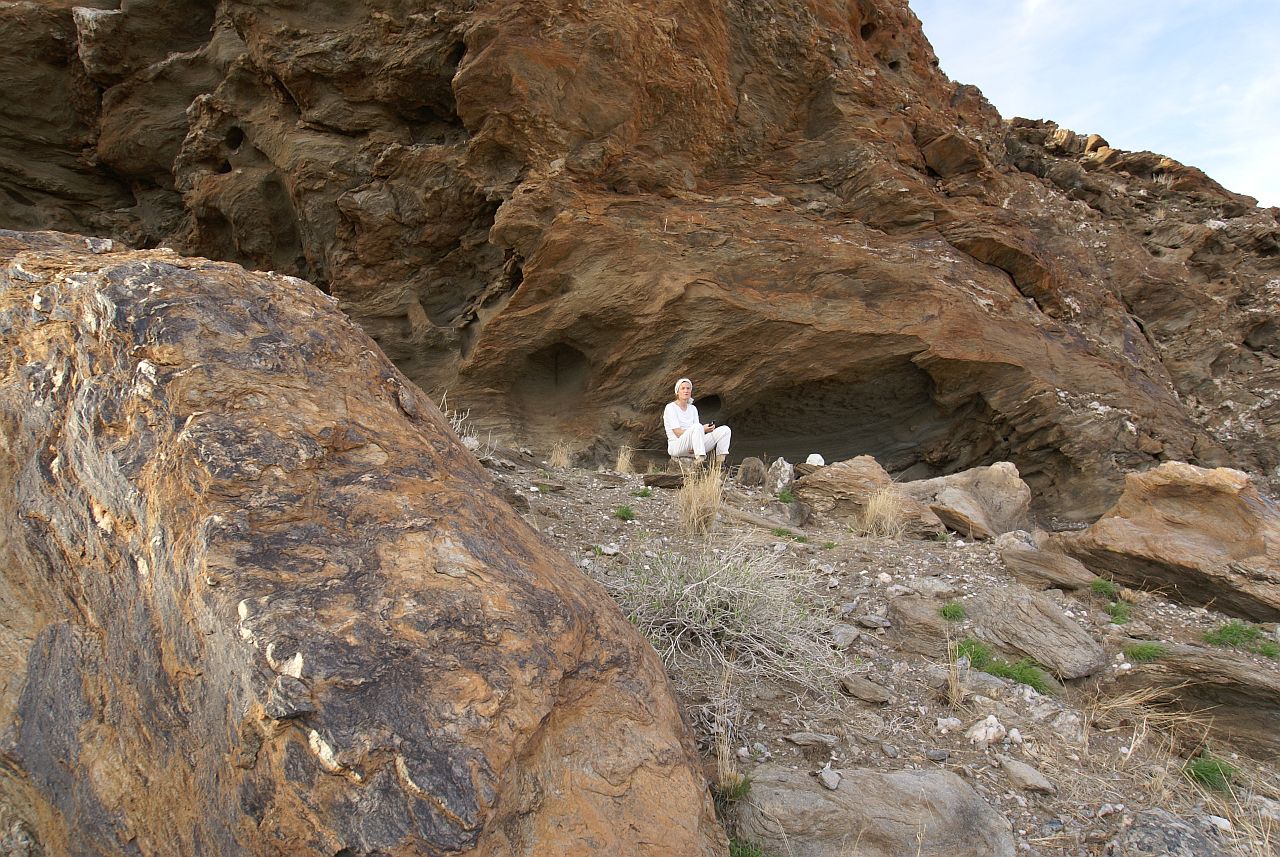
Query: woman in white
pixel 685 435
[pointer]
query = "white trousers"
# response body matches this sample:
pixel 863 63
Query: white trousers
pixel 698 443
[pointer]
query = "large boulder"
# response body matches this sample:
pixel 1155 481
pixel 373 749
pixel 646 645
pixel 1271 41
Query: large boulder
pixel 1199 536
pixel 1236 696
pixel 981 502
pixel 843 490
pixel 1032 626
pixel 260 600
pixel 926 813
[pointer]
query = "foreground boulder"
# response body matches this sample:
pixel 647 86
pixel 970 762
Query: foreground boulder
pixel 266 603
pixel 926 813
pixel 981 502
pixel 1200 536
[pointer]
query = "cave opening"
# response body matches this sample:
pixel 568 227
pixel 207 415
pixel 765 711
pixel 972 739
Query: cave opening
pixel 886 410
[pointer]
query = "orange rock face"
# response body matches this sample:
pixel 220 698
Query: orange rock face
pixel 263 602
pixel 556 209
pixel 1202 536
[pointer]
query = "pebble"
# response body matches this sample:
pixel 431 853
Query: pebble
pixel 812 739
pixel 872 621
pixel 884 578
pixel 937 754
pixel 843 635
pixel 948 724
pixel 889 750
pixel 829 778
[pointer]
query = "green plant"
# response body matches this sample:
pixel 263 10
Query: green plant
pixel 1210 771
pixel 1233 633
pixel 729 791
pixel 1145 653
pixel 786 496
pixel 982 658
pixel 781 532
pixel 828 545
pixel 1120 612
pixel 624 513
pixel 1242 635
pixel 800 537
pixel 952 611
pixel 642 492
pixel 942 536
pixel 1025 671
pixel 1106 588
pixel 979 653
pixel 738 848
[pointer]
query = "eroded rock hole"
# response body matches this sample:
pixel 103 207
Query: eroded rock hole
pixel 895 65
pixel 554 380
pixel 234 138
pixel 867 30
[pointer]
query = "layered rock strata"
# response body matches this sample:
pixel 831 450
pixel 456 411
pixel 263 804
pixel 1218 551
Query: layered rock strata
pixel 554 209
pixel 258 599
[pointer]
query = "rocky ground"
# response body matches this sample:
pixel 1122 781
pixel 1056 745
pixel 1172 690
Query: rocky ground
pixel 1086 768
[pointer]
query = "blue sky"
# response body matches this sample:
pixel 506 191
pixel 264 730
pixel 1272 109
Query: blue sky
pixel 1198 81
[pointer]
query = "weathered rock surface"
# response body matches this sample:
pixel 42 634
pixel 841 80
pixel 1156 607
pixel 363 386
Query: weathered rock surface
pixel 1159 833
pixel 929 813
pixel 1201 536
pixel 259 600
pixel 982 502
pixel 917 625
pixel 539 205
pixel 841 490
pixel 1046 569
pixel 1238 696
pixel 1033 626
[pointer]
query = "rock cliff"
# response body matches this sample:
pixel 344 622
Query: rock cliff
pixel 257 599
pixel 553 209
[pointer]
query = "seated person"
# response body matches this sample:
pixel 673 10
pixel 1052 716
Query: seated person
pixel 685 435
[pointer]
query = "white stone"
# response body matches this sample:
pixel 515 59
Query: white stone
pixel 987 731
pixel 815 458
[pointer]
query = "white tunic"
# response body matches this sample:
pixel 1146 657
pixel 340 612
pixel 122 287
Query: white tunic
pixel 674 418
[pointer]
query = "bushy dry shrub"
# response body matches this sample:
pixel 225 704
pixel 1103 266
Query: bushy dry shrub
pixel 561 457
pixel 698 500
pixel 883 514
pixel 625 462
pixel 729 610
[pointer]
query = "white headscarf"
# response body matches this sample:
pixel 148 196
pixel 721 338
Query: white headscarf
pixel 684 381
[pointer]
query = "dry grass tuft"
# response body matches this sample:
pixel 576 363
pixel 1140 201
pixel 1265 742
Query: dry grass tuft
pixel 561 457
pixel 625 462
pixel 698 500
pixel 882 515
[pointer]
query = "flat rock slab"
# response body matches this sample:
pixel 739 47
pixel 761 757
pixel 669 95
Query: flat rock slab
pixel 1046 569
pixel 1033 626
pixel 1198 536
pixel 272 603
pixel 926 813
pixel 1238 695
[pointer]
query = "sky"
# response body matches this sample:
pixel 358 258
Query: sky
pixel 1197 80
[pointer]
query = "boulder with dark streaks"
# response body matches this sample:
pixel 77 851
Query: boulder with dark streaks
pixel 259 600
